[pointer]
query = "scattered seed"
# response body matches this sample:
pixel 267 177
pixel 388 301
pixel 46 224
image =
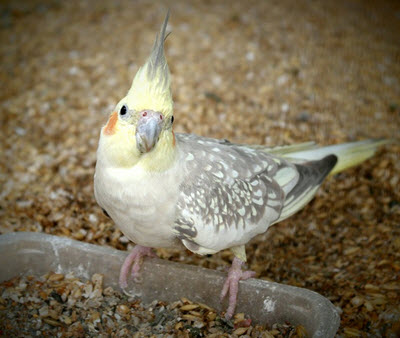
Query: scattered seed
pixel 56 277
pixel 123 309
pixel 240 331
pixel 189 317
pixel 357 301
pixel 52 322
pixel 189 307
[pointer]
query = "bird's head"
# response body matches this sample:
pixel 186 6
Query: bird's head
pixel 139 130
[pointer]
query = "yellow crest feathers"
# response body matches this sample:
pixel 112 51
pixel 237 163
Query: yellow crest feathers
pixel 151 86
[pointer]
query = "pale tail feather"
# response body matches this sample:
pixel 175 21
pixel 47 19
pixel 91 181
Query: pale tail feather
pixel 349 154
pixel 314 164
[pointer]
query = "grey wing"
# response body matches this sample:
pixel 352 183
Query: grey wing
pixel 229 194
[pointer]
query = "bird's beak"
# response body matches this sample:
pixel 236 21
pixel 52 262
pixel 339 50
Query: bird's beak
pixel 148 130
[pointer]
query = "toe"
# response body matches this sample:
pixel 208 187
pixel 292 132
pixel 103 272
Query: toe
pixel 247 274
pixel 224 290
pixel 123 281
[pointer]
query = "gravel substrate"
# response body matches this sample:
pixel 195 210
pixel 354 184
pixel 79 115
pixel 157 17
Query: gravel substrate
pixel 64 306
pixel 263 72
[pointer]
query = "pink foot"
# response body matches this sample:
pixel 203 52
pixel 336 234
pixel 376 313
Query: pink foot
pixel 132 264
pixel 231 285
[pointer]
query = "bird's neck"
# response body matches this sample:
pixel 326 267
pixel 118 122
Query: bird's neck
pixel 120 151
pixel 162 157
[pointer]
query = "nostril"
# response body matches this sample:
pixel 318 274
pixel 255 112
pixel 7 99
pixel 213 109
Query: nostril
pixel 160 117
pixel 144 113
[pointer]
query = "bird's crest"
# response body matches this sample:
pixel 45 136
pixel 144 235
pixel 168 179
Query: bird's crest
pixel 151 86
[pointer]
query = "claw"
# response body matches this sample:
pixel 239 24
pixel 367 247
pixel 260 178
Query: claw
pixel 231 285
pixel 133 263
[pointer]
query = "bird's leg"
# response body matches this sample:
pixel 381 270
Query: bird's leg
pixel 235 274
pixel 132 264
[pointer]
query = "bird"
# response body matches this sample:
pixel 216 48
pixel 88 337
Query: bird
pixel 165 189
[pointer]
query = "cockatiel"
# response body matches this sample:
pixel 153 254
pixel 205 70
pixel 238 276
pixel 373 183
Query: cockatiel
pixel 164 189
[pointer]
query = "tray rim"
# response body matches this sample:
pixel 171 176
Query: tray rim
pixel 327 313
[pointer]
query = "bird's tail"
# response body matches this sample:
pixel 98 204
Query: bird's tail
pixel 315 163
pixel 348 154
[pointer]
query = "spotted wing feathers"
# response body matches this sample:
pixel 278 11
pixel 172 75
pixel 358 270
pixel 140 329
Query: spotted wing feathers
pixel 229 194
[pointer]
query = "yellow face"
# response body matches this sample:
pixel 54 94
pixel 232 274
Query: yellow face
pixel 145 138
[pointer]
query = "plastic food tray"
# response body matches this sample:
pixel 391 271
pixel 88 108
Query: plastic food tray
pixel 265 302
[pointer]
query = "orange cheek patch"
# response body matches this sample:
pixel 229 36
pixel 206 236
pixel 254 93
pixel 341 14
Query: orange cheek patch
pixel 109 129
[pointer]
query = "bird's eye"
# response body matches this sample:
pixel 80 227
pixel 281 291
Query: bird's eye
pixel 123 110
